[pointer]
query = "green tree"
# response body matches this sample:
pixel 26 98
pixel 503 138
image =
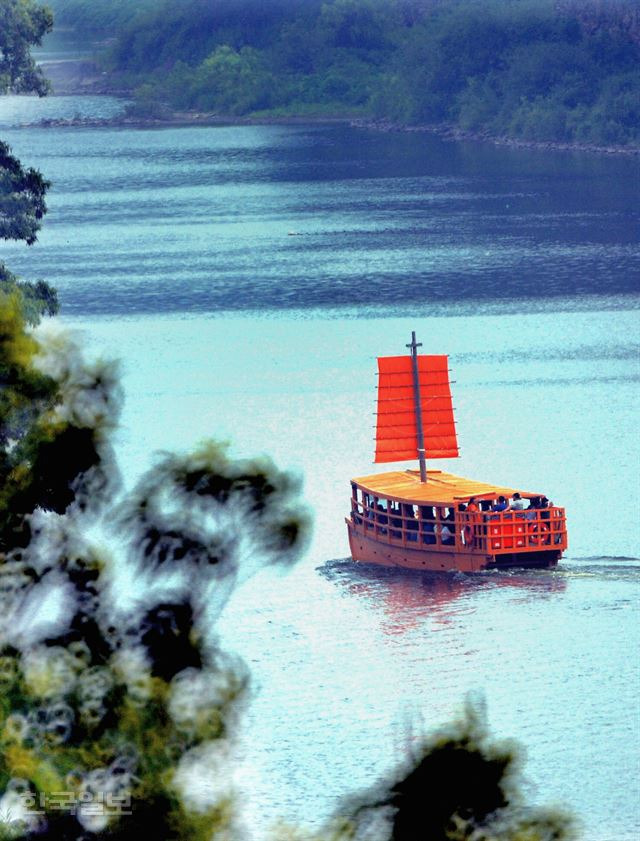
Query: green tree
pixel 22 198
pixel 231 82
pixel 358 24
pixel 23 24
pixel 522 68
pixel 22 208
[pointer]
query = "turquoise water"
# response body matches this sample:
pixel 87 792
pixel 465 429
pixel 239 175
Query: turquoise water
pixel 247 278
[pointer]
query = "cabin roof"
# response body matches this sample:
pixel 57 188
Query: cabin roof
pixel 440 487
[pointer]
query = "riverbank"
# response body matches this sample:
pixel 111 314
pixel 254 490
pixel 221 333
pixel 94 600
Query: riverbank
pixel 445 132
pixel 449 132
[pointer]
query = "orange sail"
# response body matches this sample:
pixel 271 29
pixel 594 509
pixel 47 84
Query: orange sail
pixel 396 429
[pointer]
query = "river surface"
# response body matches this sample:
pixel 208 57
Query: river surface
pixel 247 277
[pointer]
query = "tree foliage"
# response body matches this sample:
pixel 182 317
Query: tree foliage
pixel 22 198
pixel 531 69
pixel 22 190
pixel 23 24
pixel 22 208
pixel 99 15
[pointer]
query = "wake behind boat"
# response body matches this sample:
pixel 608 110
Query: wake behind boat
pixel 431 520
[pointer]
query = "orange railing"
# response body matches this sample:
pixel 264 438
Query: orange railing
pixel 514 531
pixel 491 532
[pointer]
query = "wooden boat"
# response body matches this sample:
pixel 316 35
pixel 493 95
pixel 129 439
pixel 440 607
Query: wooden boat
pixel 431 520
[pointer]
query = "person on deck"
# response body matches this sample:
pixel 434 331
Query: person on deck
pixel 518 502
pixel 428 531
pixel 500 505
pixel 531 512
pixel 446 535
pixel 544 508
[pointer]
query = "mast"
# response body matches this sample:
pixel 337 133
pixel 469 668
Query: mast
pixel 418 406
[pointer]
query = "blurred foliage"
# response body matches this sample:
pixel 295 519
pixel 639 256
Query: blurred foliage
pixel 461 785
pixel 531 69
pixel 97 701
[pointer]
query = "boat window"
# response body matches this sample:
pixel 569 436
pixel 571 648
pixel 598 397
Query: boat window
pixel 410 511
pixel 355 492
pixel 427 512
pixel 381 513
pixel 411 523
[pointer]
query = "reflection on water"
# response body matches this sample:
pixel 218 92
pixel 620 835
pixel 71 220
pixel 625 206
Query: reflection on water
pixel 408 598
pixel 370 658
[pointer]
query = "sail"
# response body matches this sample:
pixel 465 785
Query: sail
pixel 396 430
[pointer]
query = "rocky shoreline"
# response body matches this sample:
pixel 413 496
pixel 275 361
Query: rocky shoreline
pixel 180 118
pixel 453 133
pixel 446 132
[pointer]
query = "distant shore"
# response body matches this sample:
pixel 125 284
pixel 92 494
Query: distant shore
pixel 446 132
pixel 449 132
pixel 81 78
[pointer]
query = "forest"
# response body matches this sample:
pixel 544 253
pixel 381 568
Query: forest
pixel 540 70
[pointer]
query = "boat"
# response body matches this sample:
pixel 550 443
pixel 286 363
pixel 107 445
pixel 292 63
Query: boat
pixel 430 520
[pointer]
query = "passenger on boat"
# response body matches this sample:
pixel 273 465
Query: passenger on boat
pixel 394 510
pixel 531 512
pixel 472 505
pixel 545 514
pixel 500 505
pixel 446 535
pixel 517 503
pixel 428 532
pixel 411 524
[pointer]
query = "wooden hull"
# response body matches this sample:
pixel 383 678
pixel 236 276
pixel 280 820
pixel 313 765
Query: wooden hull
pixel 367 550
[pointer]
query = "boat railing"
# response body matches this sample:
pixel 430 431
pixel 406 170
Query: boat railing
pixel 390 526
pixel 482 531
pixel 513 530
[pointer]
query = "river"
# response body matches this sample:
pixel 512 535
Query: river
pixel 247 276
